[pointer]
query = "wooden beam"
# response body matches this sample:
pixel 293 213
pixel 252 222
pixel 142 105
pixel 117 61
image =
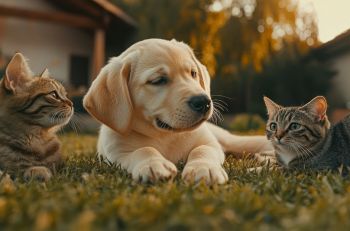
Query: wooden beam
pixel 99 52
pixel 81 6
pixel 53 16
pixel 116 11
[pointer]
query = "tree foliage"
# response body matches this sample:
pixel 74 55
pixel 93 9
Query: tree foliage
pixel 190 21
pixel 240 41
pixel 228 35
pixel 290 78
pixel 256 29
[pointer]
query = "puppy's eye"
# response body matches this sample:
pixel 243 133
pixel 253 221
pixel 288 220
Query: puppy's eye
pixel 273 127
pixel 294 126
pixel 162 80
pixel 193 73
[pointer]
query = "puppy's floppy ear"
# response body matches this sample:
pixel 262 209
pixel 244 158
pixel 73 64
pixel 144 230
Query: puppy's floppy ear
pixel 108 99
pixel 204 77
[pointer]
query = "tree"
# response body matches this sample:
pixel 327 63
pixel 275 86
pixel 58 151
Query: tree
pixel 185 20
pixel 235 39
pixel 255 30
pixel 290 78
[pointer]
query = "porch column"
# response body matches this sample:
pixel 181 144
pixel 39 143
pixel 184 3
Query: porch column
pixel 98 52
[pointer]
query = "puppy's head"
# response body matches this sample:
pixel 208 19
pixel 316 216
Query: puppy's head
pixel 157 81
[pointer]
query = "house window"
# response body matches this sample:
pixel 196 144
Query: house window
pixel 79 71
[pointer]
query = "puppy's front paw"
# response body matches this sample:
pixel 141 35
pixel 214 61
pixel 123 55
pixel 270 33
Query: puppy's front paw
pixel 200 170
pixel 39 173
pixel 154 170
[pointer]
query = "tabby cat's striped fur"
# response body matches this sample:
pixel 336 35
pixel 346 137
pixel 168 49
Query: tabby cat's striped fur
pixel 302 136
pixel 32 108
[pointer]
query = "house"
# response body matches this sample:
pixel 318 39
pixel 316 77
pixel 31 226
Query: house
pixel 336 54
pixel 71 38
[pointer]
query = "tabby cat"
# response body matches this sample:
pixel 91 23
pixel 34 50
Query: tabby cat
pixel 32 109
pixel 303 139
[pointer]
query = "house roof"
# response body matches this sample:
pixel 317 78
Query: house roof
pixel 103 11
pixel 89 14
pixel 335 47
pixel 115 10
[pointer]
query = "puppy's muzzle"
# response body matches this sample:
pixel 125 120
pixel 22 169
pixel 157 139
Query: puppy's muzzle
pixel 199 104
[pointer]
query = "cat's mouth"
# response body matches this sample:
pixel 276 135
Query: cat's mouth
pixel 282 145
pixel 62 118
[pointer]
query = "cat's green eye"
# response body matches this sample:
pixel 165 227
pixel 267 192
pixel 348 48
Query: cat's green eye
pixel 294 126
pixel 273 126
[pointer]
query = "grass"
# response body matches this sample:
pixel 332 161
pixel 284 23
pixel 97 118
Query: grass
pixel 89 195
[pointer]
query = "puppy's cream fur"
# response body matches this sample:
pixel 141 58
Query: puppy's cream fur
pixel 124 99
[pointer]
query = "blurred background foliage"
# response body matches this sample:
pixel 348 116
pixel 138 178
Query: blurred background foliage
pixel 250 47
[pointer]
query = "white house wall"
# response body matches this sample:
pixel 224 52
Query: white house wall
pixel 44 44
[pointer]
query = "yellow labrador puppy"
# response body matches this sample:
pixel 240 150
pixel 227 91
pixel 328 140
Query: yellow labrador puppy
pixel 153 101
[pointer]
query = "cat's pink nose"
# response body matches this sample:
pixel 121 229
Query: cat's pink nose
pixel 278 140
pixel 279 136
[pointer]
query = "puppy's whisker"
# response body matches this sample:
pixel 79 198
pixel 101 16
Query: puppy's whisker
pixel 217 116
pixel 223 104
pixel 222 96
pixel 220 117
pixel 220 105
pixel 220 101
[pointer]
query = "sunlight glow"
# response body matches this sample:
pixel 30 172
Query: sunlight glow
pixel 333 17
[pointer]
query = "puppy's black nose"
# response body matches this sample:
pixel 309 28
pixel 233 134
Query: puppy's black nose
pixel 200 103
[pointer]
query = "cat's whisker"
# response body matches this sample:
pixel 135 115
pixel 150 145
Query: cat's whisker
pixel 305 152
pixel 77 127
pixel 75 124
pixel 53 117
pixel 300 152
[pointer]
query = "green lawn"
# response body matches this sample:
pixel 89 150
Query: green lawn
pixel 89 195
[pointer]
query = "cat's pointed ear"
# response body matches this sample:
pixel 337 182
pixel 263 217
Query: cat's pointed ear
pixel 45 73
pixel 271 106
pixel 317 107
pixel 17 73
